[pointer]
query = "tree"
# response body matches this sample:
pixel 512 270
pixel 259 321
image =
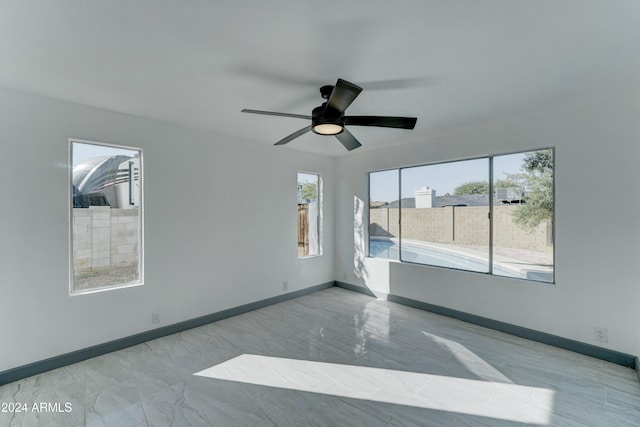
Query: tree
pixel 309 191
pixel 482 187
pixel 538 161
pixel 472 187
pixel 537 178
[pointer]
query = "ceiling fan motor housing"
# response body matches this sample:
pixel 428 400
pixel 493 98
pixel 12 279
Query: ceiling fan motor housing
pixel 325 91
pixel 323 115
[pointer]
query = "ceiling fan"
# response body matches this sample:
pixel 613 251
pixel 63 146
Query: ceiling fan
pixel 329 118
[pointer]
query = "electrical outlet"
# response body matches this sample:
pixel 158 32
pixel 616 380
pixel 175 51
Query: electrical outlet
pixel 600 334
pixel 155 317
pixel 285 285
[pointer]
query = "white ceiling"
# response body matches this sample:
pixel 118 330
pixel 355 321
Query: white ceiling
pixel 197 63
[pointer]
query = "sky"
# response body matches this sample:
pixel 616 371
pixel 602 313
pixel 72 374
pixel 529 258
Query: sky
pixel 442 177
pixel 83 151
pixel 307 178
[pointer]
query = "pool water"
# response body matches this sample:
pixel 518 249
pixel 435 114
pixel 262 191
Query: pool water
pixel 423 254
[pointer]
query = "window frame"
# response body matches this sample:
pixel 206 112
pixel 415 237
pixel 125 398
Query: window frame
pixel 320 213
pixel 490 176
pixel 140 279
pixel 489 264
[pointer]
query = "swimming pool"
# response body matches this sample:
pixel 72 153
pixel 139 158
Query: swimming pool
pixel 430 255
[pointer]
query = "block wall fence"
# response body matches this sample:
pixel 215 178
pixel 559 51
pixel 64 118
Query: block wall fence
pixel 459 224
pixel 104 237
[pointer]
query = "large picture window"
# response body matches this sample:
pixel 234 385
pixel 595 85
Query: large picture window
pixel 445 216
pixel 309 215
pixel 106 216
pixel 490 215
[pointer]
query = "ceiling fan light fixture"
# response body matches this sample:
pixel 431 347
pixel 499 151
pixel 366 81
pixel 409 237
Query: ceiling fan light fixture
pixel 328 129
pixel 326 121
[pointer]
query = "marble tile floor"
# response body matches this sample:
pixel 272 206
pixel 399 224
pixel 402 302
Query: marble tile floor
pixel 332 358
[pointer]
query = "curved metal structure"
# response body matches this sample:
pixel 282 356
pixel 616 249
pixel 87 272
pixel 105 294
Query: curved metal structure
pixel 107 181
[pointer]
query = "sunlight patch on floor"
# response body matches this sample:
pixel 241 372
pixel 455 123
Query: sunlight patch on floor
pixel 510 402
pixel 469 359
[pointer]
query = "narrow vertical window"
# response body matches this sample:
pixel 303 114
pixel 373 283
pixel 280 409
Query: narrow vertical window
pixel 445 215
pixel 106 216
pixel 309 215
pixel 384 218
pixel 523 215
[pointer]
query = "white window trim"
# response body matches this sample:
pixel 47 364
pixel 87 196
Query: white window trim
pixel 320 214
pixel 140 281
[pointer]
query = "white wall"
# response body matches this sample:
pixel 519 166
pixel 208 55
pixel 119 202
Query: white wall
pixel 597 140
pixel 232 191
pixel 236 245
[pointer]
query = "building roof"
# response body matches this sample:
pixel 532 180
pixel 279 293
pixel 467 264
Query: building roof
pixel 441 201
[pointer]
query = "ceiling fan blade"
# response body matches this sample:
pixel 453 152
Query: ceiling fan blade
pixel 343 95
pixel 381 121
pixel 294 135
pixel 394 84
pixel 273 113
pixel 348 140
pixel 274 75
